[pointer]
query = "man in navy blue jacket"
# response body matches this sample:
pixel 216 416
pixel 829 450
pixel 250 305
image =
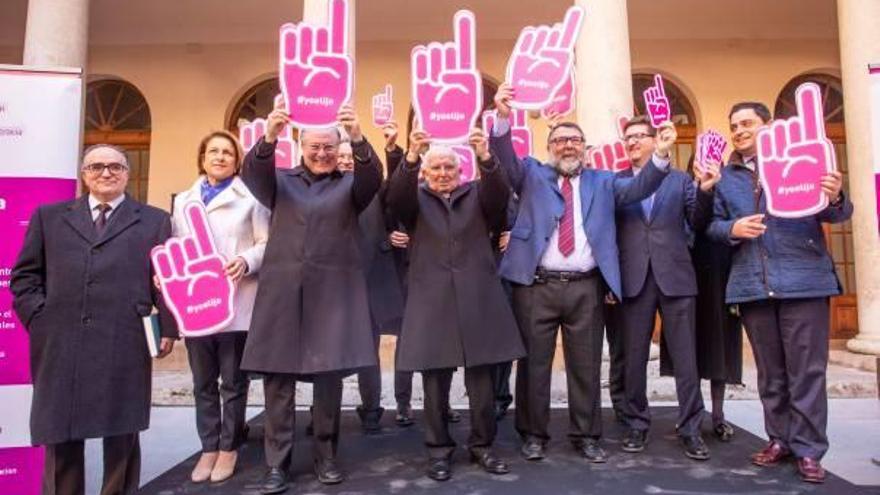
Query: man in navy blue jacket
pixel 657 273
pixel 561 247
pixel 781 277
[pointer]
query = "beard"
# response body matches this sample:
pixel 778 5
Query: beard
pixel 566 166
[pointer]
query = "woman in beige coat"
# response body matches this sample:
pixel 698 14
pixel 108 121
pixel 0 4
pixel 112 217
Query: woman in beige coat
pixel 240 226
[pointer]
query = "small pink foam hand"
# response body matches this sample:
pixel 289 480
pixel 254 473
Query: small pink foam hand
pixel 467 162
pixel 793 156
pixel 315 69
pixel 520 133
pixel 542 61
pixel 610 156
pixel 446 84
pixel 656 102
pixel 193 279
pixel 709 149
pixel 383 106
pixel 286 155
pixel 562 102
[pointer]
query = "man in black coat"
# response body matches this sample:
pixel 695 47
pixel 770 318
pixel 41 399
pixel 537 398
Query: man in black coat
pixel 656 273
pixel 81 284
pixel 299 330
pixel 456 312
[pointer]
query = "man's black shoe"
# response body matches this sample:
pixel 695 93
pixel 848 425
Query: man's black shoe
pixel 328 472
pixel 695 448
pixel 532 450
pixel 404 417
pixel 490 463
pixel 634 441
pixel 590 450
pixel 275 481
pixel 452 416
pixel 439 469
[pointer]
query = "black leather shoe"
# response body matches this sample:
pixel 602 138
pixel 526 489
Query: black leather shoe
pixel 452 416
pixel 634 441
pixel 404 417
pixel 439 469
pixel 723 431
pixel 490 463
pixel 328 472
pixel 370 419
pixel 275 481
pixel 532 450
pixel 695 448
pixel 590 450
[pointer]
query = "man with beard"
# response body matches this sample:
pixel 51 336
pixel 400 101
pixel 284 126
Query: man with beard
pixel 561 248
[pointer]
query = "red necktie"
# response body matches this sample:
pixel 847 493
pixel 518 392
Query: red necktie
pixel 566 223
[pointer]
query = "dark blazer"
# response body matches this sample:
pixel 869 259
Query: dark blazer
pixel 541 206
pixel 311 314
pixel 661 241
pixel 789 260
pixel 456 311
pixel 82 297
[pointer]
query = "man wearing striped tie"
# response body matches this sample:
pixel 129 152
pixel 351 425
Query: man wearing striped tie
pixel 561 257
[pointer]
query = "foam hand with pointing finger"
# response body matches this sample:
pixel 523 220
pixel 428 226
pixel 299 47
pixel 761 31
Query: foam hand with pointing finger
pixel 286 154
pixel 383 106
pixel 656 102
pixel 520 133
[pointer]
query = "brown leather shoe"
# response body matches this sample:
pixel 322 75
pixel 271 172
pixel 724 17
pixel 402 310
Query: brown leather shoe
pixel 770 455
pixel 810 470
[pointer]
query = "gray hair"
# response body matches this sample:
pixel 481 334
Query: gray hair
pixel 316 130
pixel 98 146
pixel 440 151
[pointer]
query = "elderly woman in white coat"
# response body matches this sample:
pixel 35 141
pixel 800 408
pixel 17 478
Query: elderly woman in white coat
pixel 240 226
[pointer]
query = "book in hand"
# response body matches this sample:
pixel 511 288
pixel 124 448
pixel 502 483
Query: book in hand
pixel 153 333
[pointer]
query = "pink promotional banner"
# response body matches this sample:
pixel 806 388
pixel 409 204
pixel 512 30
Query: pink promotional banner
pixel 542 61
pixel 609 156
pixel 315 70
pixel 193 279
pixel 21 470
pixel 709 148
pixel 520 134
pixel 793 156
pixel 383 106
pixel 562 102
pixel 447 88
pixel 467 162
pixel 656 102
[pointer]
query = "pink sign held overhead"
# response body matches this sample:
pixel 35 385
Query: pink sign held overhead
pixel 316 71
pixel 285 150
pixel 520 134
pixel 383 106
pixel 609 156
pixel 193 279
pixel 447 87
pixel 467 162
pixel 656 102
pixel 793 156
pixel 709 149
pixel 542 60
pixel 562 102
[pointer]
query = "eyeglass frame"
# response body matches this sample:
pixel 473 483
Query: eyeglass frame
pixel 97 169
pixel 563 140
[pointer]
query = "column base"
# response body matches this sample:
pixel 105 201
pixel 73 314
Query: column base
pixel 864 345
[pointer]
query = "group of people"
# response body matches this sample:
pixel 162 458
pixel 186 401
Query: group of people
pixel 469 275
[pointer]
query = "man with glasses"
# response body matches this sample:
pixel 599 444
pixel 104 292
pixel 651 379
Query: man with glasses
pixel 81 284
pixel 657 274
pixel 561 248
pixel 311 317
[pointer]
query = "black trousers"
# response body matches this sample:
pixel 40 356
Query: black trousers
pixel 478 383
pixel 614 331
pixel 370 385
pixel 501 384
pixel 541 309
pixel 220 410
pixel 679 316
pixel 64 471
pixel 280 392
pixel 789 339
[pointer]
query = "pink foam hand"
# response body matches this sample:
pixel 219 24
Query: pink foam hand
pixel 383 106
pixel 467 162
pixel 542 61
pixel 193 279
pixel 656 102
pixel 610 156
pixel 793 156
pixel 286 155
pixel 316 71
pixel 562 102
pixel 520 134
pixel 716 146
pixel 489 118
pixel 447 86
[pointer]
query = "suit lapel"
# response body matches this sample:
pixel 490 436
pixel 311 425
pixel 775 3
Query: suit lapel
pixel 80 218
pixel 659 196
pixel 587 186
pixel 126 215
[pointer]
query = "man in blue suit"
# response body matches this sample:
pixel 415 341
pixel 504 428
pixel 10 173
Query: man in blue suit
pixel 657 274
pixel 562 246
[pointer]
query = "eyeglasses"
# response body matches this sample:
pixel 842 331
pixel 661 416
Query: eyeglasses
pixel 563 140
pixel 636 137
pixel 98 168
pixel 328 148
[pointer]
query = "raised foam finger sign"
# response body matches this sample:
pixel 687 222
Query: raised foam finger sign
pixel 383 106
pixel 316 72
pixel 193 280
pixel 563 101
pixel 286 155
pixel 447 87
pixel 656 102
pixel 609 156
pixel 542 60
pixel 793 156
pixel 709 149
pixel 520 134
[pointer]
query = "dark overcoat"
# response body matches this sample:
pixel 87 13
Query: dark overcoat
pixel 311 314
pixel 81 296
pixel 456 312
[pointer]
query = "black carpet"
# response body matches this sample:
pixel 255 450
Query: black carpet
pixel 393 463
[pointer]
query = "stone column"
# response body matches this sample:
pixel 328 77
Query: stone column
pixel 860 46
pixel 57 33
pixel 603 69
